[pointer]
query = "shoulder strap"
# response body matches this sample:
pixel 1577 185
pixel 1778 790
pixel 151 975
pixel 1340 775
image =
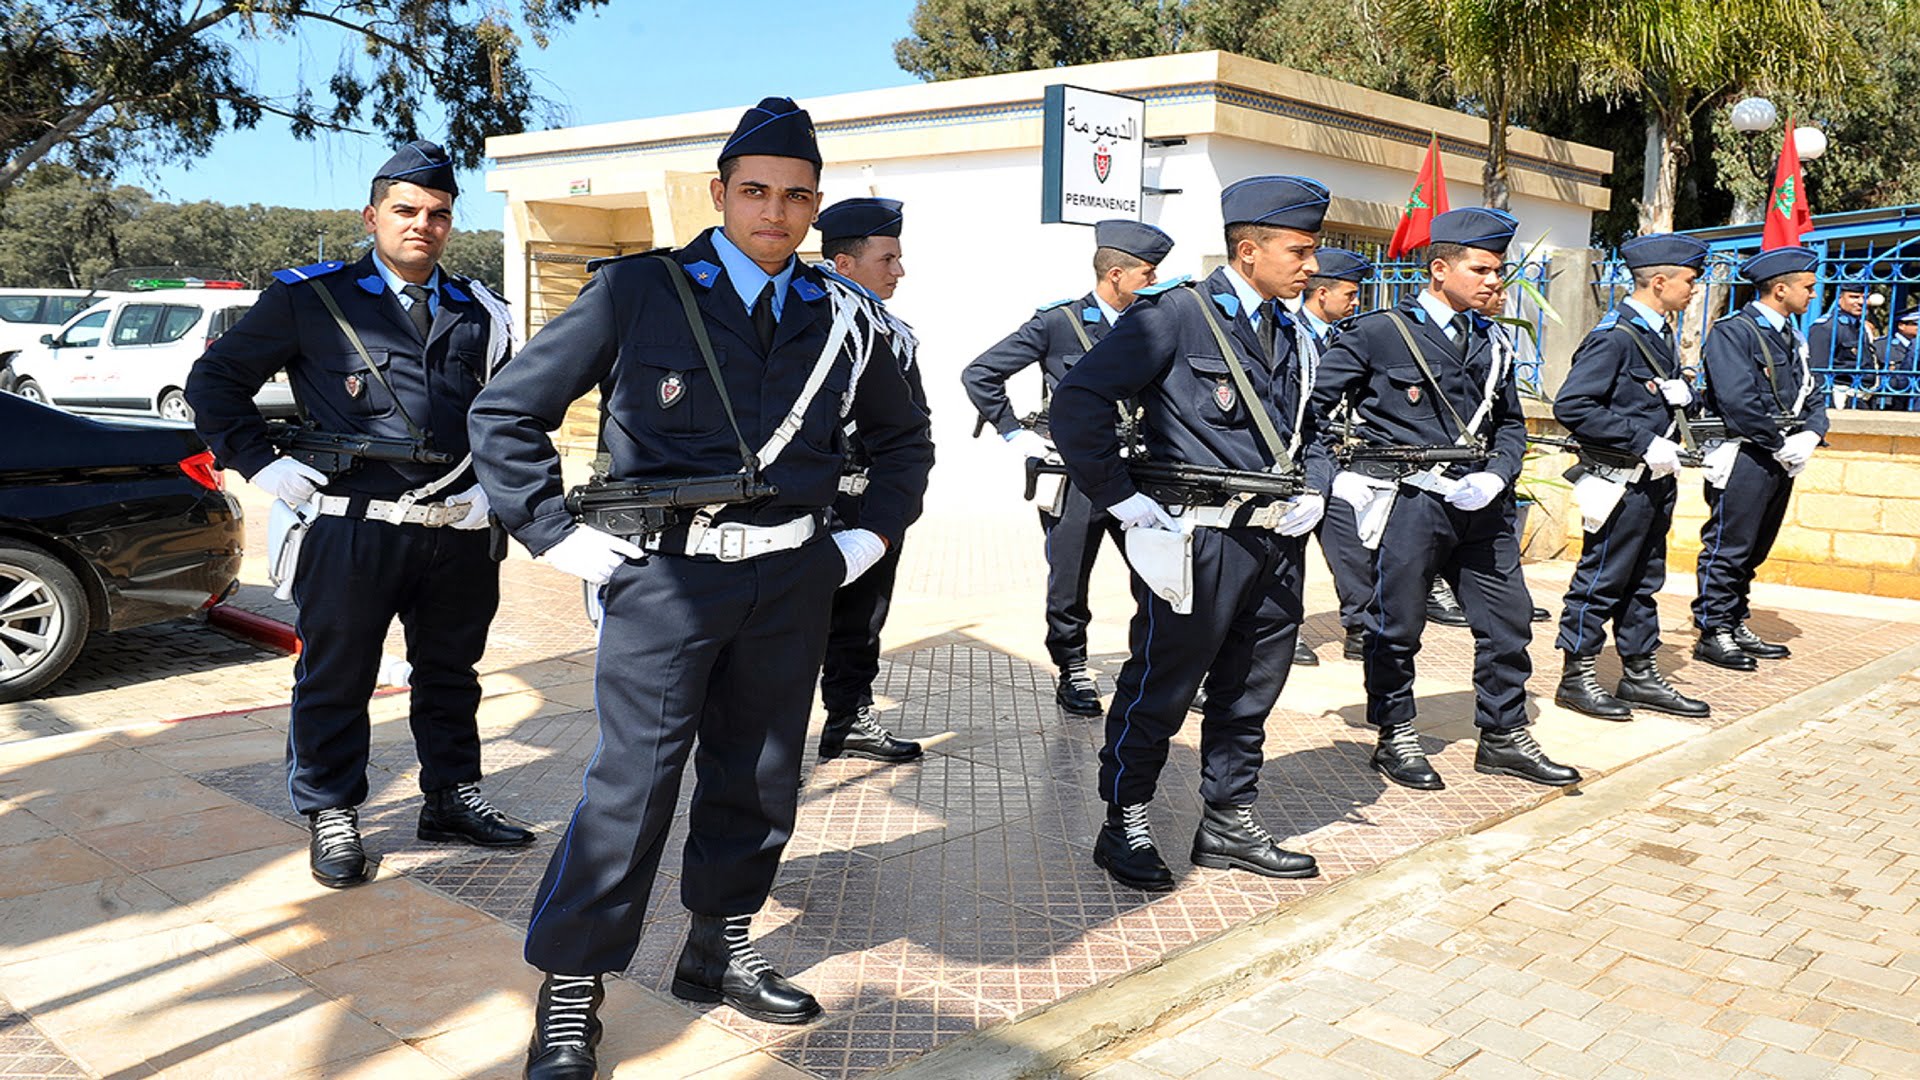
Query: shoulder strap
pixel 1256 407
pixel 333 308
pixel 1773 379
pixel 749 463
pixel 1467 437
pixel 1073 323
pixel 1679 412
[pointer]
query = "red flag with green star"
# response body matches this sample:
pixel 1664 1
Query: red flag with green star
pixel 1788 214
pixel 1428 198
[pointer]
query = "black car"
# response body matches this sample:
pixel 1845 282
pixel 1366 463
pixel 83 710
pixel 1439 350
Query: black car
pixel 105 524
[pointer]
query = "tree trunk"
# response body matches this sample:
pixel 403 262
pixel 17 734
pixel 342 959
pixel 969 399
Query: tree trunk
pixel 1662 177
pixel 1493 182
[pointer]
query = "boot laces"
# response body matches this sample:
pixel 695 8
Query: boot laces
pixel 336 830
pixel 866 726
pixel 741 950
pixel 1404 741
pixel 1441 596
pixel 1133 821
pixel 1075 675
pixel 569 1010
pixel 1252 827
pixel 1522 740
pixel 470 797
pixel 1658 678
pixel 1589 682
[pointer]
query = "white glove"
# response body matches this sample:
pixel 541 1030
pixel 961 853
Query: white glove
pixel 1352 489
pixel 1662 457
pixel 1676 392
pixel 861 548
pixel 1303 513
pixel 1028 443
pixel 292 482
pixel 475 500
pixel 1476 490
pixel 1136 511
pixel 1797 450
pixel 590 555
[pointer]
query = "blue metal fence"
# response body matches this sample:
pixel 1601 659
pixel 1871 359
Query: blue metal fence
pixel 1393 281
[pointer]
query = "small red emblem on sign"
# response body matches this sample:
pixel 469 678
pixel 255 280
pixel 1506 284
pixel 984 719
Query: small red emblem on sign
pixel 1413 395
pixel 354 386
pixel 1223 396
pixel 672 389
pixel 1102 162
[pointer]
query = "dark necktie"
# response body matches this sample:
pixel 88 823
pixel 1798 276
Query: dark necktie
pixel 763 318
pixel 1269 329
pixel 419 311
pixel 1462 323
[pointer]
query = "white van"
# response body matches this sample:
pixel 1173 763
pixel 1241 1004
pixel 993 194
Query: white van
pixel 131 354
pixel 26 314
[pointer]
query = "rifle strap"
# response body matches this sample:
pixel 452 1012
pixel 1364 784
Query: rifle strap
pixel 333 309
pixel 749 463
pixel 1257 408
pixel 1125 406
pixel 1679 411
pixel 1467 437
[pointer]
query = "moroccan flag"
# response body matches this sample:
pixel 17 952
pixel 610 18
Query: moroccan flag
pixel 1428 198
pixel 1787 213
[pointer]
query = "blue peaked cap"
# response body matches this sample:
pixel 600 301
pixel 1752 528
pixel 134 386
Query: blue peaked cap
pixel 1771 264
pixel 1664 249
pixel 857 219
pixel 1136 238
pixel 1912 316
pixel 1287 202
pixel 1341 265
pixel 1480 227
pixel 421 162
pixel 777 128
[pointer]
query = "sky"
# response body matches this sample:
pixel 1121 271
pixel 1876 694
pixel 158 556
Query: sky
pixel 631 59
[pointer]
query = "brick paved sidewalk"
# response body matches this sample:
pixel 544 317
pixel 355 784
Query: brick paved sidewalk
pixel 1759 920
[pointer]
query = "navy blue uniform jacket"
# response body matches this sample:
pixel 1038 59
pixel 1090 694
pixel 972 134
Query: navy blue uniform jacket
pixel 1162 355
pixel 1046 339
pixel 628 335
pixel 1612 398
pixel 1744 389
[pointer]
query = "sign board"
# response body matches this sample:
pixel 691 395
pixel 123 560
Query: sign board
pixel 580 187
pixel 1092 155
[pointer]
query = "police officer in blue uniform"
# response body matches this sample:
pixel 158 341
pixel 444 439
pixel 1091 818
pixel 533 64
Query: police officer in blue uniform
pixel 714 630
pixel 1626 395
pixel 391 346
pixel 1760 382
pixel 1240 407
pixel 1837 340
pixel 1900 362
pixel 860 241
pixel 1428 372
pixel 1056 337
pixel 1331 297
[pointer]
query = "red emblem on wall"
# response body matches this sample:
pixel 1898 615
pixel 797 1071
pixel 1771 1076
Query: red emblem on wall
pixel 1102 162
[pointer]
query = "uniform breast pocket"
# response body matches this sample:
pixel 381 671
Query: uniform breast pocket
pixel 667 389
pixel 1067 360
pixel 354 389
pixel 1644 379
pixel 1405 385
pixel 1215 397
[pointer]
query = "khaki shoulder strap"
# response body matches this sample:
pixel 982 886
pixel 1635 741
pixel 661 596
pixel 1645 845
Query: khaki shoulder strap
pixel 1467 437
pixel 1257 408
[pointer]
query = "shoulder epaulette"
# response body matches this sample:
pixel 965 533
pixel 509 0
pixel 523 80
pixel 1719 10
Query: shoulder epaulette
pixel 1608 321
pixel 1159 287
pixel 298 274
pixel 595 264
pixel 1044 308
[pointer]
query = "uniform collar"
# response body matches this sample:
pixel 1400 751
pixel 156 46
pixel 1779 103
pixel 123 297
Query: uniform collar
pixel 1439 311
pixel 1320 327
pixel 1654 320
pixel 1107 311
pixel 1770 316
pixel 745 274
pixel 826 270
pixel 1250 298
pixel 395 283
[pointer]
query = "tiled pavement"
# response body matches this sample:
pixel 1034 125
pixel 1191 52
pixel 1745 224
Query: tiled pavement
pixel 1761 919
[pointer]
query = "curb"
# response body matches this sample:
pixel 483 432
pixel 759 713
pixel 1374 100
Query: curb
pixel 259 629
pixel 1354 910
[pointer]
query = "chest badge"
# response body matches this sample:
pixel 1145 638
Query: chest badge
pixel 1224 397
pixel 355 386
pixel 1413 395
pixel 672 390
pixel 1653 386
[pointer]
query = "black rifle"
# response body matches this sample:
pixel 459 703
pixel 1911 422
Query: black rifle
pixel 645 507
pixel 1610 457
pixel 1413 456
pixel 1713 429
pixel 1035 422
pixel 1178 484
pixel 336 453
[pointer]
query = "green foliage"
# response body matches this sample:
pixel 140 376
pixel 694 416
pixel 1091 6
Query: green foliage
pixel 959 39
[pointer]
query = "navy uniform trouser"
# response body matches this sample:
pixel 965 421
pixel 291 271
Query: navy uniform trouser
pixel 853 632
pixel 1622 566
pixel 1742 522
pixel 1239 638
pixel 353 578
pixel 1073 541
pixel 1348 560
pixel 697 658
pixel 1478 553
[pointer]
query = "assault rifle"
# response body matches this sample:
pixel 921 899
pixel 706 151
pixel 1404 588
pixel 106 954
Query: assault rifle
pixel 1713 429
pixel 1175 483
pixel 1410 458
pixel 336 453
pixel 645 507
pixel 1610 457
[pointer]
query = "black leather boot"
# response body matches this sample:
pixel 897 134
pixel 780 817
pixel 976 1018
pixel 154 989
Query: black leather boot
pixel 1642 685
pixel 1077 692
pixel 721 964
pixel 1539 614
pixel 1303 656
pixel 1718 648
pixel 1125 850
pixel 1442 608
pixel 1230 839
pixel 1355 647
pixel 460 814
pixel 858 734
pixel 1515 753
pixel 1399 758
pixel 334 852
pixel 1751 644
pixel 566 1028
pixel 1199 702
pixel 1580 691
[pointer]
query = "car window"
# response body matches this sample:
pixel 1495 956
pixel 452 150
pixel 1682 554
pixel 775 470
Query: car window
pixel 137 324
pixel 17 309
pixel 180 319
pixel 86 332
pixel 225 320
pixel 62 308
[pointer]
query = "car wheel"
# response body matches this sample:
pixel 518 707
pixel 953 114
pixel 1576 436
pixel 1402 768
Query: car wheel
pixel 43 619
pixel 30 390
pixel 173 406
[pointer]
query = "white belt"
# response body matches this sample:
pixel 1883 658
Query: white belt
pixel 733 541
pixel 432 515
pixel 1224 517
pixel 853 484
